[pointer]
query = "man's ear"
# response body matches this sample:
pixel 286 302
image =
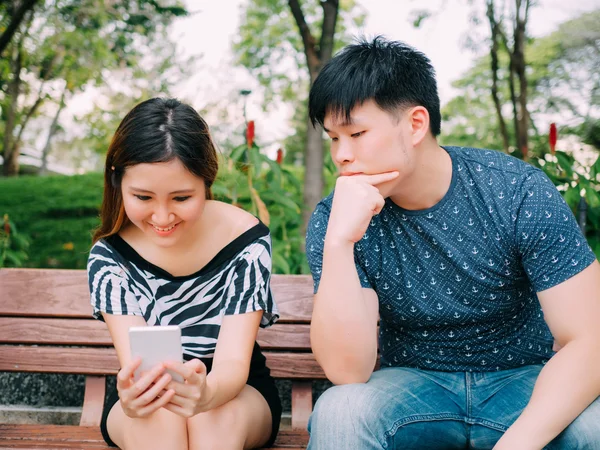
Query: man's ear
pixel 418 117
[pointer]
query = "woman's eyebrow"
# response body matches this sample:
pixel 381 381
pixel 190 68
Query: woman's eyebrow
pixel 180 191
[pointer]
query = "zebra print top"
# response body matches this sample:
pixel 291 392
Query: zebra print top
pixel 235 281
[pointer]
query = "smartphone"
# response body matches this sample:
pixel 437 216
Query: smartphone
pixel 156 344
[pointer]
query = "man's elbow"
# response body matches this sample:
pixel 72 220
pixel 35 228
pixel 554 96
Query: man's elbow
pixel 346 371
pixel 339 377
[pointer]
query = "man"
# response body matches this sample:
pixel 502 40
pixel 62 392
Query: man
pixel 456 251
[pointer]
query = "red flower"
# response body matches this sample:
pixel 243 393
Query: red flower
pixel 250 133
pixel 552 136
pixel 279 156
pixel 6 224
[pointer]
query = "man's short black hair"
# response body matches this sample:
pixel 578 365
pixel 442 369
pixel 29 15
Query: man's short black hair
pixel 392 73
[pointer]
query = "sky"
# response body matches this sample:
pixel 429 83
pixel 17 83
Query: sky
pixel 213 26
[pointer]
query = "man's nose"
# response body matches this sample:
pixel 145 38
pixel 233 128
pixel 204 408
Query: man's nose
pixel 343 153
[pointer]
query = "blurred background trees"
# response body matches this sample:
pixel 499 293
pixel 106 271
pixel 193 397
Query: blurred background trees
pixel 108 55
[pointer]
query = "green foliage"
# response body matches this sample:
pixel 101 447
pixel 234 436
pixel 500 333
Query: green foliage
pixel 563 79
pixel 270 46
pixel 273 193
pixel 59 213
pixel 574 179
pixel 13 245
pixel 71 45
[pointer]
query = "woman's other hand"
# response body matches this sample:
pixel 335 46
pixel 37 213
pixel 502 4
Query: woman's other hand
pixel 193 396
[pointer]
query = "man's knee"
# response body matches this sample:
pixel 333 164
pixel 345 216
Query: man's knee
pixel 346 406
pixel 583 433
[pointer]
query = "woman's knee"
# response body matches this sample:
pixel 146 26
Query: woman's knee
pixel 221 428
pixel 163 429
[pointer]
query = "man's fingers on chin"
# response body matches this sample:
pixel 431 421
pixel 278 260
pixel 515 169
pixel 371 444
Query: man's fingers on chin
pixel 379 178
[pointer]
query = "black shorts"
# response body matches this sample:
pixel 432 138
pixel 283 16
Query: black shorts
pixel 259 378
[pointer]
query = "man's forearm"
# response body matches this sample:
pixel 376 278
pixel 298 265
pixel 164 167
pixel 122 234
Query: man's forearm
pixel 566 386
pixel 343 328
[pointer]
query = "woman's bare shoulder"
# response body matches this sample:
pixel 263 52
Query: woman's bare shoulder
pixel 234 218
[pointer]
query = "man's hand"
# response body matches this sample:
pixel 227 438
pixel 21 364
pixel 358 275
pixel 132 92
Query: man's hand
pixel 355 201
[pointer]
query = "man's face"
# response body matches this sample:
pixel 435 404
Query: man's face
pixel 374 141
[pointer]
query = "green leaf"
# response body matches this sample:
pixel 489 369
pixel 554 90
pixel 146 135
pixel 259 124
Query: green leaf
pixel 565 162
pixel 592 197
pixel 280 264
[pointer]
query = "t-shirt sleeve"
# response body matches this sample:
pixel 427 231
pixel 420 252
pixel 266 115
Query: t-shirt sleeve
pixel 109 290
pixel 250 286
pixel 315 241
pixel 548 238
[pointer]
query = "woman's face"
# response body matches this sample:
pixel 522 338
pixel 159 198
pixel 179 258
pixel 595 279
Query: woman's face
pixel 163 200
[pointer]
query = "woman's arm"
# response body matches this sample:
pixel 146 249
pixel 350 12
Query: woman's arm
pixel 118 327
pixel 231 364
pixel 229 372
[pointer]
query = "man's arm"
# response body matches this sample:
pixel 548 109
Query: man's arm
pixel 343 329
pixel 344 322
pixel 570 381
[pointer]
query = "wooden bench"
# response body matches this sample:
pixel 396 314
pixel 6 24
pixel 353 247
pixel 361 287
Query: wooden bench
pixel 46 327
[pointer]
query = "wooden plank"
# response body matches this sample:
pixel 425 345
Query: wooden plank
pixel 36 330
pixel 20 330
pixel 58 433
pixel 103 361
pixel 301 404
pixel 68 436
pixel 93 401
pixel 64 293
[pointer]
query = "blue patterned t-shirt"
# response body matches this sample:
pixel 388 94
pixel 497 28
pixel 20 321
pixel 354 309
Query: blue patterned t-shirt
pixel 457 282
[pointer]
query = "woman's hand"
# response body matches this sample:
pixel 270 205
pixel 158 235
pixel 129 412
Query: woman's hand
pixel 194 395
pixel 141 398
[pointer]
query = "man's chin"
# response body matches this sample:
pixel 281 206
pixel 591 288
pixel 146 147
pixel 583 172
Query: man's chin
pixel 386 189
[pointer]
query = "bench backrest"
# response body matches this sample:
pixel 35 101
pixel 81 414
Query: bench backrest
pixel 46 326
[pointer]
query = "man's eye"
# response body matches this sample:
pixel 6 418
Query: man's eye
pixel 142 197
pixel 334 139
pixel 360 133
pixel 181 199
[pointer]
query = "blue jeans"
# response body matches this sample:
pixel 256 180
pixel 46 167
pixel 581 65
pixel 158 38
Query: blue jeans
pixel 401 408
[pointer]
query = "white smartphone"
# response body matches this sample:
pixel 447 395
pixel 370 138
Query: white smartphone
pixel 156 344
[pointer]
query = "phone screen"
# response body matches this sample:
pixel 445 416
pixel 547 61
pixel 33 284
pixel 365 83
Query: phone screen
pixel 156 344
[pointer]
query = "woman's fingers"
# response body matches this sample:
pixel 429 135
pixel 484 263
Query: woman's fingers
pixel 153 392
pixel 156 404
pixel 139 387
pixel 126 373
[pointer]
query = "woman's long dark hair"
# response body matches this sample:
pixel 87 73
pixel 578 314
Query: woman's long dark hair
pixel 157 130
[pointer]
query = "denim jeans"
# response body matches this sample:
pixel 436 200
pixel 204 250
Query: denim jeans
pixel 401 408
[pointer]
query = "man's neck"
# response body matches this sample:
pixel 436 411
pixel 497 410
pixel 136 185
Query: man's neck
pixel 429 181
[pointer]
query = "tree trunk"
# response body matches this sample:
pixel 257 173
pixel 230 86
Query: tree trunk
pixel 53 129
pixel 11 162
pixel 513 100
pixel 313 175
pixel 494 66
pixel 518 57
pixel 315 59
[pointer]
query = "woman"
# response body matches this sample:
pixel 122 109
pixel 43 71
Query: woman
pixel 166 253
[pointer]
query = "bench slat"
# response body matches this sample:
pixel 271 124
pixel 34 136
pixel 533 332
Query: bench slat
pixel 69 436
pixel 19 330
pixel 63 291
pixel 103 361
